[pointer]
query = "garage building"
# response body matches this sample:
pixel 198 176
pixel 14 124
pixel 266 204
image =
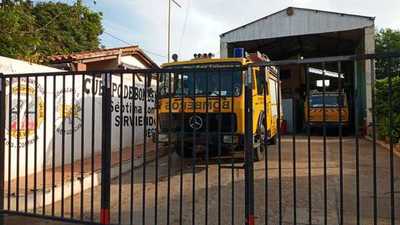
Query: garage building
pixel 295 33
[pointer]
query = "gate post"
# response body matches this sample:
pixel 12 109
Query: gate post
pixel 106 149
pixel 248 147
pixel 2 142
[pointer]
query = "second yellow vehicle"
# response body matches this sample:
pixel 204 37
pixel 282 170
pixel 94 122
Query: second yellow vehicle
pixel 335 106
pixel 207 106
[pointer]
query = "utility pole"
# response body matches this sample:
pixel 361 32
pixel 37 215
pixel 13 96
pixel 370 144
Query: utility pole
pixel 169 25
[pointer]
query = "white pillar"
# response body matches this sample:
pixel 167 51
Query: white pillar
pixel 223 51
pixel 369 48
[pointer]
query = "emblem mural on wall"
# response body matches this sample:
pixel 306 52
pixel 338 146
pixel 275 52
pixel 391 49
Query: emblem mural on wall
pixel 21 125
pixel 72 111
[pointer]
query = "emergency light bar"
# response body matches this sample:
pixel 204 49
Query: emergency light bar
pixel 238 53
pixel 203 56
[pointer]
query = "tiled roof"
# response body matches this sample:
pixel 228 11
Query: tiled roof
pixel 101 53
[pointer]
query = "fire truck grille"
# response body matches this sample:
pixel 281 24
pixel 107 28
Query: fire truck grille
pixel 217 122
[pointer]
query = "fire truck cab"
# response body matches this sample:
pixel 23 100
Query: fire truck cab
pixel 206 107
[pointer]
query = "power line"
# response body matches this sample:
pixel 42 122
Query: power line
pixel 128 43
pixel 169 26
pixel 117 38
pixel 184 24
pixel 176 3
pixel 153 53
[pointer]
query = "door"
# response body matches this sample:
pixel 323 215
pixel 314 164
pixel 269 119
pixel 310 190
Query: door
pixel 273 94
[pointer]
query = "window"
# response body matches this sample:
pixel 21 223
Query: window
pixel 260 82
pixel 317 101
pixel 224 83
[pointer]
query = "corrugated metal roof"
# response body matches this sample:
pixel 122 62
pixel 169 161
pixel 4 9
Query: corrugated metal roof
pixel 294 21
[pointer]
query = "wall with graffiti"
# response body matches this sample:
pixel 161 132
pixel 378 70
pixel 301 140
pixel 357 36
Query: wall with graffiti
pixel 38 130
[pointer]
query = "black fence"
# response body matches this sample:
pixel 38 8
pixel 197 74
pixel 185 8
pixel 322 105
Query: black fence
pixel 308 141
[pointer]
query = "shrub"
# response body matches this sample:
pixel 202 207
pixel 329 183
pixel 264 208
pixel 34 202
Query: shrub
pixel 383 108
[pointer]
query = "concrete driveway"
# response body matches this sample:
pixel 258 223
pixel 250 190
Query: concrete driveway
pixel 232 202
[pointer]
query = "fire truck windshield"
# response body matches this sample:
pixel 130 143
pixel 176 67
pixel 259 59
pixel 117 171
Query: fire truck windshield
pixel 330 101
pixel 220 83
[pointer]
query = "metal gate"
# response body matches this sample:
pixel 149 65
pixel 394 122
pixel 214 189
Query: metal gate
pixel 197 145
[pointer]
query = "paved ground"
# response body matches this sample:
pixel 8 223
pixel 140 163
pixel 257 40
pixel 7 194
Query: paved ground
pixel 27 190
pixel 19 220
pixel 233 179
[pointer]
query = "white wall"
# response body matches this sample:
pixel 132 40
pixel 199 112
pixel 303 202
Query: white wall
pixel 131 62
pixel 14 66
pixel 50 120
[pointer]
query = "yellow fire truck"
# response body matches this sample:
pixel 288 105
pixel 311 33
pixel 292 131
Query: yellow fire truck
pixel 210 105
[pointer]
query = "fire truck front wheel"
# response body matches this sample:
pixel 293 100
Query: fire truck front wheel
pixel 272 140
pixel 259 150
pixel 184 153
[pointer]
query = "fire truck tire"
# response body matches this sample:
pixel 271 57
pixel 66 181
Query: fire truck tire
pixel 272 140
pixel 259 151
pixel 185 153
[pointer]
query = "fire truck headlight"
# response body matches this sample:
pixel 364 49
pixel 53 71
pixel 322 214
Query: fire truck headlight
pixel 163 138
pixel 230 139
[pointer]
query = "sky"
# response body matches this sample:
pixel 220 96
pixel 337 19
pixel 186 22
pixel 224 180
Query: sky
pixel 196 26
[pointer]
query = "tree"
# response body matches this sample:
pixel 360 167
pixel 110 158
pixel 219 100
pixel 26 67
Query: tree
pixel 387 40
pixel 388 73
pixel 17 21
pixel 34 31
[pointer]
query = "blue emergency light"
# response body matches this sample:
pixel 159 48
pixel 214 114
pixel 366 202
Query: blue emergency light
pixel 238 53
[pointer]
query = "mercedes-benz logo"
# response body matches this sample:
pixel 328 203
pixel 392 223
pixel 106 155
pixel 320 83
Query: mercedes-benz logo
pixel 195 122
